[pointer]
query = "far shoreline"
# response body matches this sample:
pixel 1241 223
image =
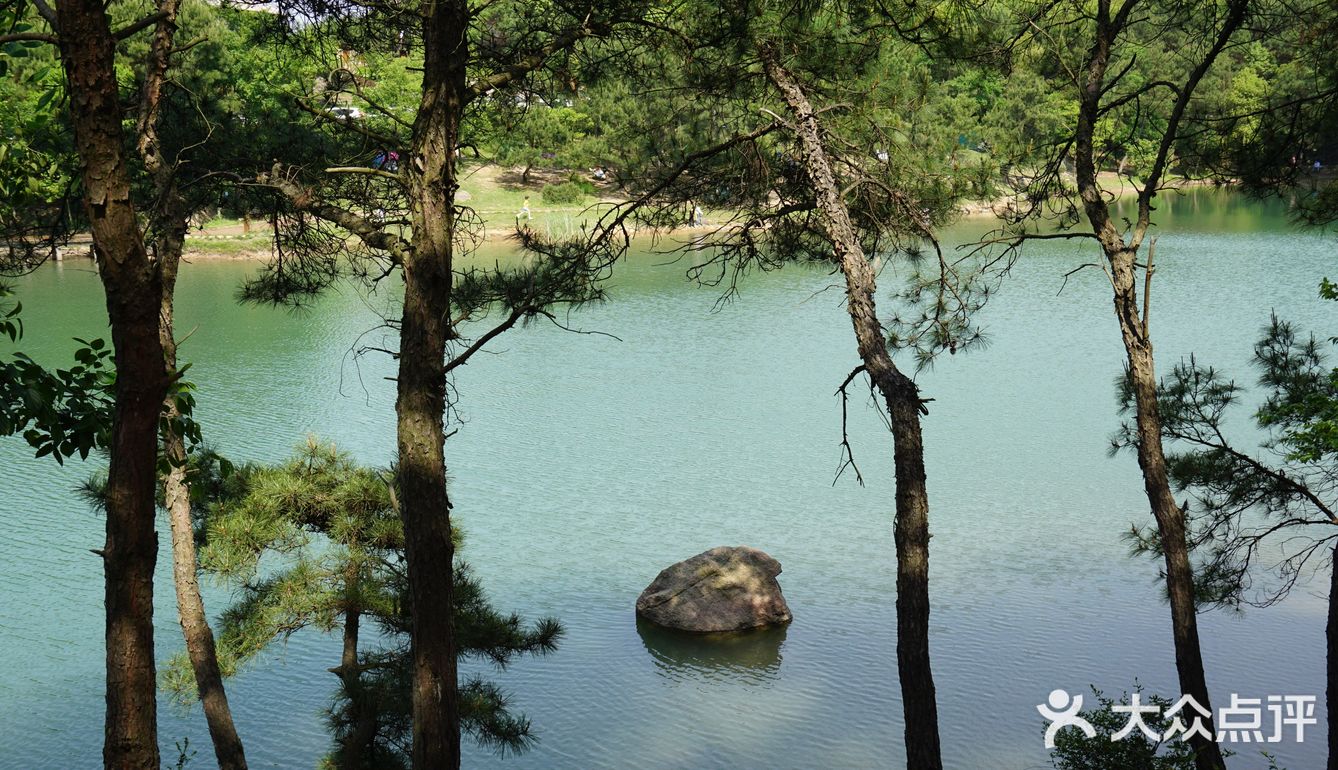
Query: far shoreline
pixel 227 243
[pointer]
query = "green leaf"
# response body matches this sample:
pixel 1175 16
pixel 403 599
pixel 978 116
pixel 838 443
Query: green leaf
pixel 45 99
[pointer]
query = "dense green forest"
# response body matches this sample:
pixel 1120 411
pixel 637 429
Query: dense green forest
pixel 379 144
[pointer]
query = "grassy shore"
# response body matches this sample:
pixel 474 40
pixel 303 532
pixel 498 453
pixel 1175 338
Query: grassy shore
pixel 496 195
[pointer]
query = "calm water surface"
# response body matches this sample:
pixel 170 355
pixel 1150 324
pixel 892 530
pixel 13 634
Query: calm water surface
pixel 585 464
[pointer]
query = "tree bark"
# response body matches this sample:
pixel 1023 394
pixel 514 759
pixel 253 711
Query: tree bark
pixel 425 511
pixel 421 398
pixel 200 647
pixel 356 752
pixel 1331 633
pixel 1120 259
pixel 348 659
pixel 911 529
pixel 133 290
pixel 1171 526
pixel 171 220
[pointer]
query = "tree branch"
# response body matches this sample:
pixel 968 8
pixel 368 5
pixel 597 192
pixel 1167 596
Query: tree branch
pixel 1297 487
pixel 371 234
pixel 534 60
pixel 1235 18
pixel 1148 269
pixel 144 23
pixel 29 37
pixel 478 344
pixel 350 124
pixel 362 170
pixel 847 454
pixel 688 162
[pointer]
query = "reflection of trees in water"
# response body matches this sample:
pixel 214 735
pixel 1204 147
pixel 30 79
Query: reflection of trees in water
pixel 735 656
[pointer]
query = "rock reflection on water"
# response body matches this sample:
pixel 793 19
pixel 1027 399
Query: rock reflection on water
pixel 739 656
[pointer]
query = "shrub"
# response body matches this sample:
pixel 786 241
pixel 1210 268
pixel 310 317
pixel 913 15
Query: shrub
pixel 562 193
pixel 586 185
pixel 571 191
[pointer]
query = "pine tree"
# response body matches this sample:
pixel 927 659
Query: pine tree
pixel 335 529
pixel 1261 519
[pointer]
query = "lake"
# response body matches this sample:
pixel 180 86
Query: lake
pixel 584 464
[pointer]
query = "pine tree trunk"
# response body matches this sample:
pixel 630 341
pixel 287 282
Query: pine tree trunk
pixel 911 528
pixel 171 220
pixel 421 399
pixel 131 549
pixel 1170 518
pixel 356 752
pixel 1331 633
pixel 200 648
pixel 912 541
pixel 348 659
pixel 132 287
pixel 425 510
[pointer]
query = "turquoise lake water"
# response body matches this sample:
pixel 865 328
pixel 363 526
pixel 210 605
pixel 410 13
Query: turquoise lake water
pixel 584 464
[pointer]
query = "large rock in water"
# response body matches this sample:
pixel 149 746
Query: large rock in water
pixel 724 589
